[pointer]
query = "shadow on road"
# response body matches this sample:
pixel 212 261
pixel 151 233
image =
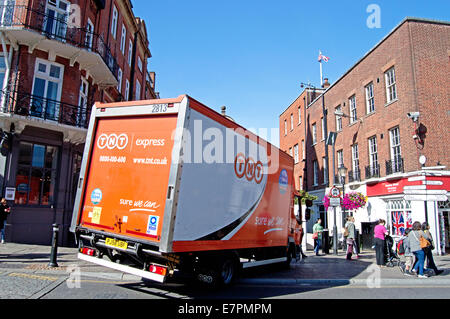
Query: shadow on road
pixel 311 274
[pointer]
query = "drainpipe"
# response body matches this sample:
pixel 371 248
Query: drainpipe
pixel 325 129
pixel 305 171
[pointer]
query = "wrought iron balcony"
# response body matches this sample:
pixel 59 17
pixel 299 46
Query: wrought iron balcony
pixel 394 166
pixel 354 176
pixel 337 179
pixel 49 26
pixel 372 171
pixel 32 106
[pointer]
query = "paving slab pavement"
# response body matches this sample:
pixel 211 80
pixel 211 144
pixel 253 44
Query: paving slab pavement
pixel 329 269
pixel 36 259
pixel 321 270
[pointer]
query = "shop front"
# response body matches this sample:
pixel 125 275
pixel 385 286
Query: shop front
pixel 40 178
pixel 420 197
pixel 444 222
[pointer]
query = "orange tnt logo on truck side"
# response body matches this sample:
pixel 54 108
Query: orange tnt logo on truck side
pixel 247 167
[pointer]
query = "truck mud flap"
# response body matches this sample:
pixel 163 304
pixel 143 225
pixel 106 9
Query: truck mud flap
pixel 123 268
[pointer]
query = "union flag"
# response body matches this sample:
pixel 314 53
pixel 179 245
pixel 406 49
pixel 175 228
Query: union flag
pixel 409 221
pixel 322 57
pixel 398 223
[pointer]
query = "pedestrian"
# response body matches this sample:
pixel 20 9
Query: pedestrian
pixel 300 242
pixel 380 232
pixel 409 256
pixel 414 240
pixel 344 237
pixel 317 235
pixel 4 212
pixel 351 236
pixel 429 250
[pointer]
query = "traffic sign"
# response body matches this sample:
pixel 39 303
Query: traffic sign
pixel 335 201
pixel 415 187
pixel 425 191
pixel 416 178
pixel 433 198
pixel 335 192
pixel 433 182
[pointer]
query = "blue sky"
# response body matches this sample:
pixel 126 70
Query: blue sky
pixel 251 55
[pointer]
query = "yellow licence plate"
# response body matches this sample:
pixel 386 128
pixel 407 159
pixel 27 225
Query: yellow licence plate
pixel 116 243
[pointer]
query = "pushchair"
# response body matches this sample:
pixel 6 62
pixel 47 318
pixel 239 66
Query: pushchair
pixel 390 256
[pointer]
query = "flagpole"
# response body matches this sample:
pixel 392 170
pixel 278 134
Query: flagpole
pixel 321 76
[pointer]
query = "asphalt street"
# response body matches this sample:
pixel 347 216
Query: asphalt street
pixel 25 274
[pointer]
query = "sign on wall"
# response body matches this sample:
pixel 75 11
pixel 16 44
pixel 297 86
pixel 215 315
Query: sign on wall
pixel 10 193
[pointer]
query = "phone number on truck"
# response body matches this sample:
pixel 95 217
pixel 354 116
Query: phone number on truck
pixel 113 159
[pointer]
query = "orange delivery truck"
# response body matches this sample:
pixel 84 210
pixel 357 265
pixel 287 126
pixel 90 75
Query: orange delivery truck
pixel 170 187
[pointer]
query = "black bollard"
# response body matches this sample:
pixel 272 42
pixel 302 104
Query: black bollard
pixel 54 252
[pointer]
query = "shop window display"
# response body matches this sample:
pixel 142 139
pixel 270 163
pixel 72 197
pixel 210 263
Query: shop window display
pixel 36 174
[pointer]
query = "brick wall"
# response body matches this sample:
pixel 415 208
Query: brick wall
pixel 72 75
pixel 431 43
pixel 297 134
pixel 419 52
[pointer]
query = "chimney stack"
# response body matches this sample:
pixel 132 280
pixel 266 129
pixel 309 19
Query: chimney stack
pixel 325 84
pixel 224 108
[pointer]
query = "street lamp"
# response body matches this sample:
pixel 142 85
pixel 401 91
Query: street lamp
pixel 342 173
pixel 331 141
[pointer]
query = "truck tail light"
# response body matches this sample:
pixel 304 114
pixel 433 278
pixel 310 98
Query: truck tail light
pixel 157 270
pixel 170 105
pixel 87 251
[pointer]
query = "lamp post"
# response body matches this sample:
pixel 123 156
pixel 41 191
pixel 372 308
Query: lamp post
pixel 331 141
pixel 342 173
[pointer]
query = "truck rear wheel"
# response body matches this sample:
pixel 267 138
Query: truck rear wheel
pixel 227 272
pixel 220 272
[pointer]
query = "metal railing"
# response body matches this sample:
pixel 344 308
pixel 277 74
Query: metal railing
pixel 394 166
pixel 354 176
pixel 372 171
pixel 57 28
pixel 29 105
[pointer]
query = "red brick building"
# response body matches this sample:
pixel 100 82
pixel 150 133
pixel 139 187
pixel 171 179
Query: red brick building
pixel 393 109
pixel 58 57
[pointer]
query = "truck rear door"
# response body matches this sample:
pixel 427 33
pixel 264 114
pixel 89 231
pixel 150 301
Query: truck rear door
pixel 127 172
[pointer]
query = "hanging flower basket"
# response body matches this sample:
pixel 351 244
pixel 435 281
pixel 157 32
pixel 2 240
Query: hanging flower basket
pixel 351 201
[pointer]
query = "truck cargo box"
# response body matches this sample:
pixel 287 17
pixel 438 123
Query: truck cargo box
pixel 175 176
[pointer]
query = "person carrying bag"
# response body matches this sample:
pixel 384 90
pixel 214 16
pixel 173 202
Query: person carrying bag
pixel 418 242
pixel 380 233
pixel 317 233
pixel 350 234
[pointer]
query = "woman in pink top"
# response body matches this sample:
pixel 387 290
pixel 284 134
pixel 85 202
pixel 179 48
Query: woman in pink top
pixel 379 233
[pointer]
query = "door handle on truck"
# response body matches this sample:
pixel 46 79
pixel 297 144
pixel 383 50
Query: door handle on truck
pixel 169 192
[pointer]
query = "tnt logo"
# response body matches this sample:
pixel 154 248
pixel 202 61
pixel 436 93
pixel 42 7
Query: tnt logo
pixel 112 141
pixel 247 167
